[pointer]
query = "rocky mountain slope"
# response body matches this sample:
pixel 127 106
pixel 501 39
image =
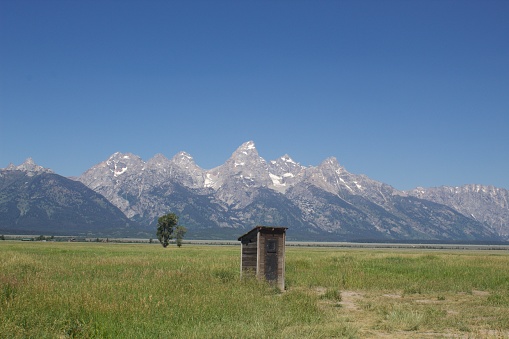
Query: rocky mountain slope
pixel 34 200
pixel 487 204
pixel 323 202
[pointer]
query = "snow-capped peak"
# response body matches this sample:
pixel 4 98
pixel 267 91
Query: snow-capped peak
pixel 30 167
pixel 119 163
pixel 249 145
pixel 186 162
pixel 285 164
pixel 286 158
pixel 247 155
pixel 123 157
pixel 183 157
pixel 247 148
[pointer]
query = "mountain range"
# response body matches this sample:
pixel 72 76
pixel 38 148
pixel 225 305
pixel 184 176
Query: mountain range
pixel 319 203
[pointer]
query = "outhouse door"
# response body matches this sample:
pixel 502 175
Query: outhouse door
pixel 271 259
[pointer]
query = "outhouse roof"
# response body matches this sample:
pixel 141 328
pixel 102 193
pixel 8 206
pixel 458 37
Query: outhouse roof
pixel 264 229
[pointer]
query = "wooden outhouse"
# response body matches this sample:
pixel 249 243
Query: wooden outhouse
pixel 263 254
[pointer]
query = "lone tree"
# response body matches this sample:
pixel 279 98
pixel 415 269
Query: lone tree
pixel 165 226
pixel 180 231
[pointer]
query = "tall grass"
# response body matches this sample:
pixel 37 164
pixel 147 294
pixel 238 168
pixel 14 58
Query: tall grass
pixel 93 290
pixel 408 270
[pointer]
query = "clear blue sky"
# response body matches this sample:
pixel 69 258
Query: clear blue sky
pixel 411 93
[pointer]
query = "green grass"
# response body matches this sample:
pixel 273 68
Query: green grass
pixel 413 271
pixel 94 290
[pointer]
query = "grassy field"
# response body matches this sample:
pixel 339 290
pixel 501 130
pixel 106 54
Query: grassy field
pixel 94 290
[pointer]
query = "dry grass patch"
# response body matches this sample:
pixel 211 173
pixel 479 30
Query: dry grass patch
pixel 459 315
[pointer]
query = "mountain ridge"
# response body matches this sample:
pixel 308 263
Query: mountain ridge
pixel 144 191
pixel 34 200
pixel 323 202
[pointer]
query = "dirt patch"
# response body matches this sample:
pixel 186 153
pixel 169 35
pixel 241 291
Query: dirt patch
pixel 475 292
pixel 320 290
pixel 349 299
pixel 427 301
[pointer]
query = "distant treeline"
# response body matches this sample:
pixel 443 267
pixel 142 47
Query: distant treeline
pixel 361 243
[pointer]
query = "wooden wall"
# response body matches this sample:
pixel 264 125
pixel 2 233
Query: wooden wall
pixel 262 261
pixel 249 258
